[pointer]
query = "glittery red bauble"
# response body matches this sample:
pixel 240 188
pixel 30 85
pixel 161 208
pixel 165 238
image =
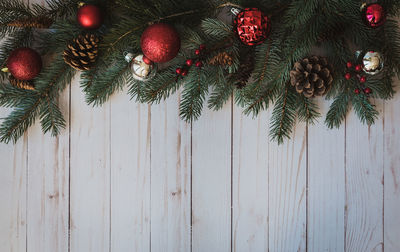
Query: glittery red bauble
pixel 252 26
pixel 90 16
pixel 374 15
pixel 160 43
pixel 24 63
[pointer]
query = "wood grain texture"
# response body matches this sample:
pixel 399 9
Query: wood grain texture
pixel 364 184
pixel 250 182
pixel 130 175
pixel 287 193
pixel 48 187
pixel 90 175
pixel 326 186
pixel 211 181
pixel 170 178
pixel 392 174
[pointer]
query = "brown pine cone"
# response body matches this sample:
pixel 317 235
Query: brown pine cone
pixel 222 59
pixel 312 76
pixel 35 22
pixel 28 85
pixel 81 54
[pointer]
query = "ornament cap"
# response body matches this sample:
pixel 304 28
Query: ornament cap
pixel 5 70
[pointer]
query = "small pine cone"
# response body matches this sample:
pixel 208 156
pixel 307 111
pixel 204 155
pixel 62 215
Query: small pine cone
pixel 81 54
pixel 35 22
pixel 312 76
pixel 222 59
pixel 246 69
pixel 21 83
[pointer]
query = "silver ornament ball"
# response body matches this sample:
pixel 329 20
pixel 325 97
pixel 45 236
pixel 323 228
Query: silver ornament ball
pixel 140 70
pixel 372 62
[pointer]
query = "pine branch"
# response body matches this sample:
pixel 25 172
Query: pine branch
pixel 221 93
pixel 338 111
pixel 307 110
pixel 365 111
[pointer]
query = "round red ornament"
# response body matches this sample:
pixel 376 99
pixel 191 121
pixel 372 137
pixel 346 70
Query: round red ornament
pixel 90 16
pixel 160 43
pixel 24 63
pixel 252 26
pixel 374 15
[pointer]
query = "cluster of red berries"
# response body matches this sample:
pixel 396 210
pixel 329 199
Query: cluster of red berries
pixel 356 71
pixel 184 70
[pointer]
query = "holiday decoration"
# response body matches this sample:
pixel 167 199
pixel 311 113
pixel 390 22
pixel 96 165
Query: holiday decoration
pixel 90 16
pixel 222 59
pixel 373 14
pixel 24 63
pixel 160 43
pixel 367 91
pixel 347 76
pixel 140 68
pixel 23 84
pixel 252 26
pixel 311 76
pixel 81 54
pixel 363 79
pixel 372 62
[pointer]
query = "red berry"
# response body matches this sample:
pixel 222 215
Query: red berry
pixel 357 91
pixel 358 68
pixel 147 60
pixel 199 64
pixel 202 47
pixel 363 79
pixel 347 76
pixel 179 71
pixel 189 62
pixel 349 64
pixel 197 52
pixel 184 72
pixel 367 90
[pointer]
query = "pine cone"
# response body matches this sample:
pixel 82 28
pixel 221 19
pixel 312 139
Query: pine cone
pixel 81 54
pixel 246 69
pixel 35 22
pixel 222 59
pixel 312 76
pixel 21 83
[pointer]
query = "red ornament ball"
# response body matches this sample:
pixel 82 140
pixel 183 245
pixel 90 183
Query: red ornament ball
pixel 160 43
pixel 374 15
pixel 252 26
pixel 24 63
pixel 90 16
pixel 363 79
pixel 347 76
pixel 349 64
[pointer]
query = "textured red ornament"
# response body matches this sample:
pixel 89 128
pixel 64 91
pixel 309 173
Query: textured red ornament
pixel 90 16
pixel 374 15
pixel 160 43
pixel 252 26
pixel 24 63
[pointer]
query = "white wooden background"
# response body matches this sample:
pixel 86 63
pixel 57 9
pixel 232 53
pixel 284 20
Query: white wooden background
pixel 127 177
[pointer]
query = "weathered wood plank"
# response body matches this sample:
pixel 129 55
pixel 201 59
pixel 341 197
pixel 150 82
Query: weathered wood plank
pixel 90 175
pixel 250 182
pixel 130 175
pixel 326 185
pixel 170 178
pixel 211 181
pixel 364 188
pixel 287 193
pixel 392 174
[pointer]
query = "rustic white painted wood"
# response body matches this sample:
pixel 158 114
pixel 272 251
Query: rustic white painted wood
pixel 170 178
pixel 392 174
pixel 89 175
pixel 130 174
pixel 326 186
pixel 287 193
pixel 250 182
pixel 364 184
pixel 211 181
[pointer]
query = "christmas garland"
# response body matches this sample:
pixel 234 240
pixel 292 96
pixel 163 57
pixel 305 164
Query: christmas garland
pixel 264 55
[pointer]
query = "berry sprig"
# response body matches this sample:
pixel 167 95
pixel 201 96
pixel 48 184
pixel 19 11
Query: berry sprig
pixel 355 71
pixel 195 61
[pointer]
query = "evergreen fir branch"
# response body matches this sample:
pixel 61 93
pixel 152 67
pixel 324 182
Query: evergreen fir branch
pixel 11 96
pixel 216 29
pixel 283 115
pixel 222 91
pixel 365 111
pixel 259 102
pixel 307 110
pixel 51 117
pixel 135 90
pixel 193 95
pixel 338 111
